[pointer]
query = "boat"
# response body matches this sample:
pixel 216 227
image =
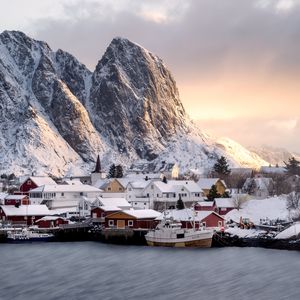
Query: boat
pixel 169 233
pixel 28 235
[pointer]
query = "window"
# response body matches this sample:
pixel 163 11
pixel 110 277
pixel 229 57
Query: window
pixel 204 224
pixel 145 203
pixel 81 194
pixel 220 223
pixel 148 195
pixel 109 188
pixel 120 189
pixel 29 182
pixel 62 194
pixel 130 223
pixel 111 223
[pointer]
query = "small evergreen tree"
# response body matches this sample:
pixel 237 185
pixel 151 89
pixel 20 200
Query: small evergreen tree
pixel 292 166
pixel 112 171
pixel 119 171
pixel 213 193
pixel 221 167
pixel 179 204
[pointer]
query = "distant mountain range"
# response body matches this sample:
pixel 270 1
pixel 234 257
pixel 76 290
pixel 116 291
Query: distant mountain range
pixel 57 116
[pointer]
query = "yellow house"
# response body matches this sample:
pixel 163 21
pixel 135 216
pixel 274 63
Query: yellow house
pixel 206 184
pixel 113 185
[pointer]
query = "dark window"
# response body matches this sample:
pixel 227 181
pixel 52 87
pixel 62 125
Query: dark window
pixel 180 235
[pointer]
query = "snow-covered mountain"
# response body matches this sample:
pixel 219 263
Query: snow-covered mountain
pixel 56 115
pixel 275 156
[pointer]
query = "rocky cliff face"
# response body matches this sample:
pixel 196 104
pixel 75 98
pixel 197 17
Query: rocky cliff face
pixel 134 100
pixel 57 115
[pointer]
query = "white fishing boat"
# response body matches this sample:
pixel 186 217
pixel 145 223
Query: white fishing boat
pixel 28 235
pixel 169 233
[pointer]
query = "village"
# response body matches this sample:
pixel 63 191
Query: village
pixel 239 204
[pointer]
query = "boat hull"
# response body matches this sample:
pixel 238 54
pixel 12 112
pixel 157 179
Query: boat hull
pixel 203 243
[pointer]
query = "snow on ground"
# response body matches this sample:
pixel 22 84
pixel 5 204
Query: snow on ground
pixel 271 208
pixel 244 233
pixel 294 230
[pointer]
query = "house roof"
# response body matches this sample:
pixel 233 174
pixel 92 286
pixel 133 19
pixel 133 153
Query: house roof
pixel 173 186
pixel 205 203
pixel 61 188
pixel 49 218
pixel 207 183
pixel 142 213
pixel 139 184
pixel 186 214
pixel 26 210
pixel 225 202
pixel 109 208
pixel 59 211
pixel 116 202
pixel 15 197
pixel 102 183
pixel 40 180
pixel 272 170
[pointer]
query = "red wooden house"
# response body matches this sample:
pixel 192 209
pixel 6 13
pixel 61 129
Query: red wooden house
pixel 25 214
pixel 16 200
pixel 50 222
pixel 103 211
pixel 224 205
pixel 188 217
pixel 205 206
pixel 132 219
pixel 33 182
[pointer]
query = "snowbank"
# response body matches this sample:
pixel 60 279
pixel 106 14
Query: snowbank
pixel 244 233
pixel 271 208
pixel 294 230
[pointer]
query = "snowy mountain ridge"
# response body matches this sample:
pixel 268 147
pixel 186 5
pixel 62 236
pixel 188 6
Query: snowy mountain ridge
pixel 56 115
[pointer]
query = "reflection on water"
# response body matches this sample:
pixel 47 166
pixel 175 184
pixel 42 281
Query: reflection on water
pixel 98 271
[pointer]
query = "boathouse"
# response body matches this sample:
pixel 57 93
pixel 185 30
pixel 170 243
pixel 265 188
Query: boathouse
pixel 33 182
pixel 16 200
pixel 132 219
pixel 23 214
pixel 50 222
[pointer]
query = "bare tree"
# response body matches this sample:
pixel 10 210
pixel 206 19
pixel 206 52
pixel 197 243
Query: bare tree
pixel 239 200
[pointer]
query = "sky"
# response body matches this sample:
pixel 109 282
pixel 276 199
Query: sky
pixel 236 62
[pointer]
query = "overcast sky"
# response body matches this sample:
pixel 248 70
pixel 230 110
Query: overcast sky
pixel 236 62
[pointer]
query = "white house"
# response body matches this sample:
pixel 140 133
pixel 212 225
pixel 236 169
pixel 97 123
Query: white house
pixel 135 194
pixel 64 195
pixel 162 195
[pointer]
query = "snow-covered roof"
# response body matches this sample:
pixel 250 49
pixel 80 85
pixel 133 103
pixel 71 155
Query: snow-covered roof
pixel 140 184
pixel 207 183
pixel 118 202
pixel 64 188
pixel 40 180
pixel 142 213
pixel 110 208
pixel 173 186
pixel 15 197
pixel 205 203
pixel 124 181
pixel 102 183
pixel 225 202
pixel 59 211
pixel 73 181
pixel 26 210
pixel 49 218
pixel 186 214
pixel 143 176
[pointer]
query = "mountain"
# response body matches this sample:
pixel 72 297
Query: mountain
pixel 56 115
pixel 275 156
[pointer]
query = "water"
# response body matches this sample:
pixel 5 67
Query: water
pixel 97 271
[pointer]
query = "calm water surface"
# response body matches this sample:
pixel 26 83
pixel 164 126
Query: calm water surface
pixel 97 271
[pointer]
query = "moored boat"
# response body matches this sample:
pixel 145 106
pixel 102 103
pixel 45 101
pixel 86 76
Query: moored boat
pixel 170 233
pixel 28 235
